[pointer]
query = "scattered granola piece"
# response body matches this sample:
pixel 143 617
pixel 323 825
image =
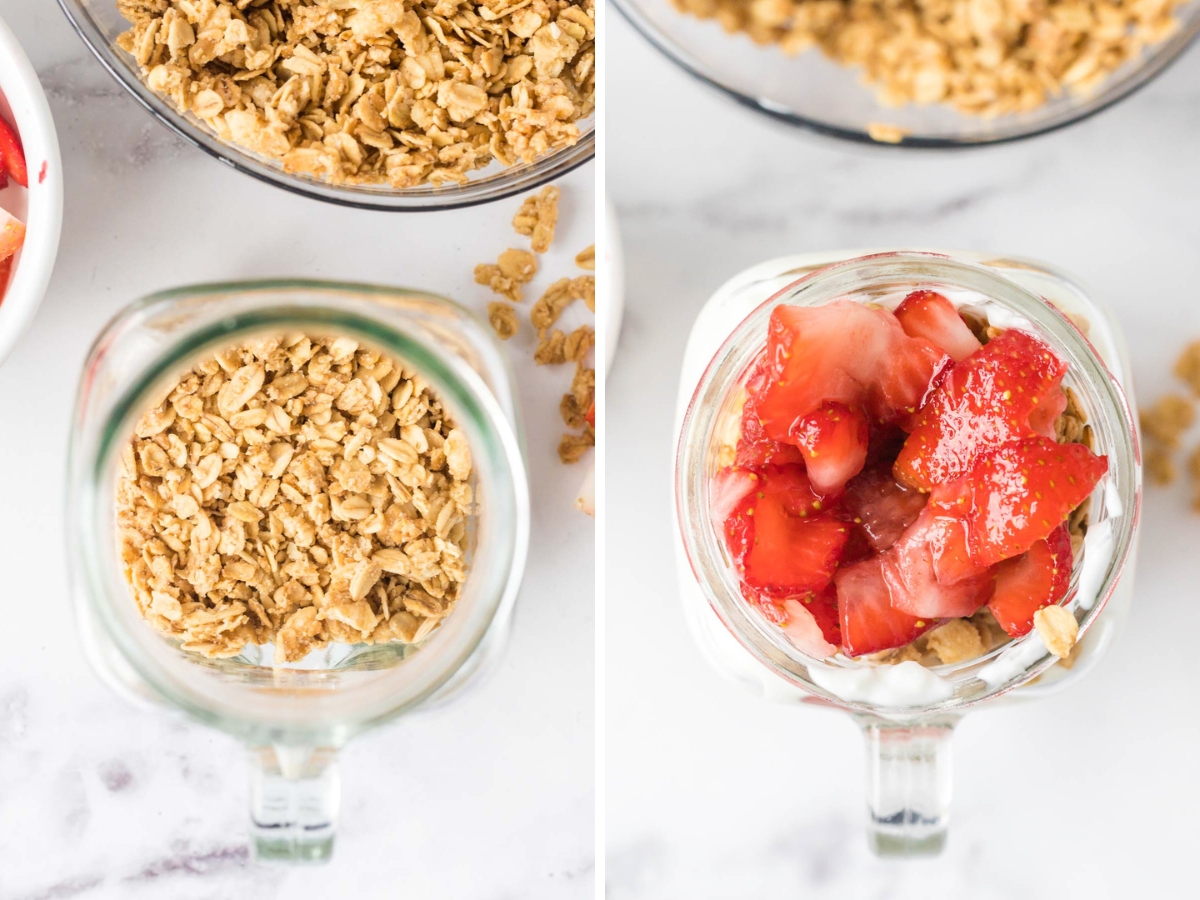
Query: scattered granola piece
pixel 1167 419
pixel 584 288
pixel 294 490
pixel 1160 468
pixel 572 446
pixel 551 349
pixel 1187 367
pixel 1058 629
pixel 538 217
pixel 373 91
pixel 956 641
pixel 886 134
pixel 503 318
pixel 550 305
pixel 513 269
pixel 572 415
pixel 578 343
pixel 586 258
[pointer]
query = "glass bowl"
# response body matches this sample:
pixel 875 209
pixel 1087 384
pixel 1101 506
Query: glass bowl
pixel 100 24
pixel 812 92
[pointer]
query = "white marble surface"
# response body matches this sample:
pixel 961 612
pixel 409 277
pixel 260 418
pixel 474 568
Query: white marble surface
pixel 712 793
pixel 488 798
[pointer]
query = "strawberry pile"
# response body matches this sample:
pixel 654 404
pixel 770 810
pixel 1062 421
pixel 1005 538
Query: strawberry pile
pixel 892 472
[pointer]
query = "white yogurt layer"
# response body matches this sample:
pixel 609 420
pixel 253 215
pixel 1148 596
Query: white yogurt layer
pixel 905 684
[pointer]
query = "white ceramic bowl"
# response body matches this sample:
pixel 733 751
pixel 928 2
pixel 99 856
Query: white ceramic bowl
pixel 23 104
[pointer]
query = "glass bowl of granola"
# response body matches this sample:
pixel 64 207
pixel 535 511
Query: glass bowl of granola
pixel 378 104
pixel 906 485
pixel 298 510
pixel 920 74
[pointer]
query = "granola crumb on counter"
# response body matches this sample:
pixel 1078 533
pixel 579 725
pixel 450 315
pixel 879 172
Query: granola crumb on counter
pixel 505 277
pixel 503 318
pixel 538 217
pixel 1187 367
pixel 374 91
pixel 299 490
pixel 1168 419
pixel 1159 466
pixel 1058 629
pixel 586 258
pixel 572 446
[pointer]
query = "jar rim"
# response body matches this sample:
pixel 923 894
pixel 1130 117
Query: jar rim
pixel 313 306
pixel 701 541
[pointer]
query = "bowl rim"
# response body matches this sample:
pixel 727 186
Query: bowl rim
pixel 1155 64
pixel 545 169
pixel 43 220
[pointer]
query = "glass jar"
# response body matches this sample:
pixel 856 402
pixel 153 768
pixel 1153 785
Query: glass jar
pixel 907 712
pixel 294 717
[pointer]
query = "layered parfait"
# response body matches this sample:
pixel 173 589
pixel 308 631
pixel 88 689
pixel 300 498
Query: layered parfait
pixel 907 483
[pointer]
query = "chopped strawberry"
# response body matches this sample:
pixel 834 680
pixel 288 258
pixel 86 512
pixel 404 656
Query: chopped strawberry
pixel 590 418
pixel 869 622
pixel 858 545
pixel 728 488
pixel 883 507
pixel 821 608
pixel 1038 577
pixel 910 568
pixel 12 156
pixel 842 352
pixel 12 234
pixel 6 266
pixel 779 541
pixel 771 607
pixel 833 440
pixel 983 402
pixel 1050 406
pixel 929 315
pixel 1023 491
pixel 754 448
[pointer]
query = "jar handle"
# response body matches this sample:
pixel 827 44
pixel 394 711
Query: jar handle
pixel 295 793
pixel 908 785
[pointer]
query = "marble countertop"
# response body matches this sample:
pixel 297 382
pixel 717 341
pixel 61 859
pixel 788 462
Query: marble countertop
pixel 489 797
pixel 712 793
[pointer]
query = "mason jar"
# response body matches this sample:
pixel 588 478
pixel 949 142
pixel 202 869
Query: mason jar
pixel 907 714
pixel 295 716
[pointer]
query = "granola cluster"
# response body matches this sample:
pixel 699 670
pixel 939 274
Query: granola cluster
pixel 1167 420
pixel 537 219
pixel 297 490
pixel 395 92
pixel 983 57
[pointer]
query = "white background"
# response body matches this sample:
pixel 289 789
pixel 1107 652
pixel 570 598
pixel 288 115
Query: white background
pixel 488 798
pixel 712 793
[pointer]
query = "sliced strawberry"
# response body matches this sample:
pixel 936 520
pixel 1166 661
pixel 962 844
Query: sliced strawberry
pixel 813 623
pixel 770 607
pixel 842 352
pixel 882 506
pixel 858 546
pixel 590 418
pixel 1038 577
pixel 780 544
pixel 754 448
pixel 929 315
pixel 1049 408
pixel 910 568
pixel 869 622
pixel 983 402
pixel 12 156
pixel 728 488
pixel 833 440
pixel 1023 491
pixel 12 234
